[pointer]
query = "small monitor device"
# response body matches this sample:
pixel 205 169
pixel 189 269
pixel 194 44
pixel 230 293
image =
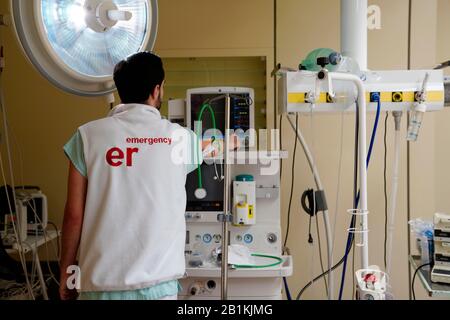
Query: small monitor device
pixel 33 206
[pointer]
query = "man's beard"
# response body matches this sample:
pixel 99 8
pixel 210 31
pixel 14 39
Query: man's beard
pixel 159 103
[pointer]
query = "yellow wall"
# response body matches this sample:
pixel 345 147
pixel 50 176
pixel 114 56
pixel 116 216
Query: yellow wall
pixel 43 117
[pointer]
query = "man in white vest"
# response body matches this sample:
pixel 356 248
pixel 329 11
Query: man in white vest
pixel 126 195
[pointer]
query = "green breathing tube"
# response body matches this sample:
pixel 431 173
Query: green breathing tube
pixel 251 266
pixel 199 134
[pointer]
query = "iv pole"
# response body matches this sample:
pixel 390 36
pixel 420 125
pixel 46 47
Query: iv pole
pixel 226 202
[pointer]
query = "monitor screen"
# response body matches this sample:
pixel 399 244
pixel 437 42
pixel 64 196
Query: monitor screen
pixel 209 108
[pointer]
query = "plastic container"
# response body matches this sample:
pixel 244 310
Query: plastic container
pixel 426 245
pixel 423 231
pixel 415 122
pixel 414 126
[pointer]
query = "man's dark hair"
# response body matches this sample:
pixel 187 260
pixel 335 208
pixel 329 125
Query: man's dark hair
pixel 137 76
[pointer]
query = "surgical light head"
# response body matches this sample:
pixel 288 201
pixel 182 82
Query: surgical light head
pixel 88 36
pixel 76 43
pixel 76 15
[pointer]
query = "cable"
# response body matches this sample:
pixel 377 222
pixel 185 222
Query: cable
pixel 355 188
pixel 19 240
pixel 353 272
pixel 350 238
pixel 16 234
pixel 28 199
pixel 414 278
pixel 58 251
pixel 354 197
pixel 320 252
pixel 317 278
pixel 33 208
pixel 292 185
pixel 312 252
pixel 57 231
pixel 338 187
pixel 319 186
pixel 355 163
pixel 385 190
pixel 310 238
pixel 285 282
pixel 23 187
pixel 311 122
pixel 353 221
pixel 374 133
pixel 286 287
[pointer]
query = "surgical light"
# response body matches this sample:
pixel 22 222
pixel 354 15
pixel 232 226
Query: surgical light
pixel 76 15
pixel 76 44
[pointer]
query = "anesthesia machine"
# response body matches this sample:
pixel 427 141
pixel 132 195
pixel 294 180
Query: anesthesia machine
pixel 251 197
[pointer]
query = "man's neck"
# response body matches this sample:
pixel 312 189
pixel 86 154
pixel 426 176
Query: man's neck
pixel 152 104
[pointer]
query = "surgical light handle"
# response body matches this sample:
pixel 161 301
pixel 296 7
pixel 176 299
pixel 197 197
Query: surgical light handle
pixel 119 15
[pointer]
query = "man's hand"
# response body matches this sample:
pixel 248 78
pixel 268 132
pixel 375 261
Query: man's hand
pixel 235 142
pixel 64 292
pixel 214 148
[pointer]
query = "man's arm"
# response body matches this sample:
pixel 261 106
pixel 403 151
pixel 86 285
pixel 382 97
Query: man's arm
pixel 72 225
pixel 213 149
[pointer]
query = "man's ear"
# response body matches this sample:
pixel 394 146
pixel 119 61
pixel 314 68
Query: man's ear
pixel 156 91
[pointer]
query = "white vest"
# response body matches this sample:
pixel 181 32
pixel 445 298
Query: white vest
pixel 134 228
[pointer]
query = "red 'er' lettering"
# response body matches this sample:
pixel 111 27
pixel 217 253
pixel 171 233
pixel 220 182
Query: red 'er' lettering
pixel 130 152
pixel 115 156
